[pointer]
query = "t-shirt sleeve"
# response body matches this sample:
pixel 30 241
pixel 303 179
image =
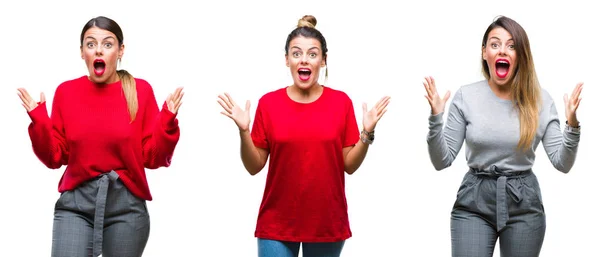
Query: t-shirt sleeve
pixel 259 133
pixel 351 135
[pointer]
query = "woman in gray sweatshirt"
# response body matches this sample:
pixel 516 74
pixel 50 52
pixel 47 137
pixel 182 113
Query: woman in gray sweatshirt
pixel 502 120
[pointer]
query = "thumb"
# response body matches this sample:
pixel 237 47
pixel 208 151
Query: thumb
pixel 364 107
pixel 42 97
pixel 169 97
pixel 566 98
pixel 247 105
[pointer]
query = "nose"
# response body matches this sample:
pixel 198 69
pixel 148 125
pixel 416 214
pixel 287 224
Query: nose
pixel 502 50
pixel 99 50
pixel 304 59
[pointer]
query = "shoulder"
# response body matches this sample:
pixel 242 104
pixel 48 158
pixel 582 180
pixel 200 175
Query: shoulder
pixel 336 93
pixel 272 96
pixel 70 85
pixel 473 88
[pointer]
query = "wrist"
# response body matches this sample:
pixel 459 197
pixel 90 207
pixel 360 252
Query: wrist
pixel 367 137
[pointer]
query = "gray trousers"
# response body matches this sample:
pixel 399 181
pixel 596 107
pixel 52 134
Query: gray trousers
pixel 492 205
pixel 100 216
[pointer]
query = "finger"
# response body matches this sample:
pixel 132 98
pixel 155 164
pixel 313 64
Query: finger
pixel 26 107
pixel 364 107
pixel 230 99
pixel 566 100
pixel 169 98
pixel 177 107
pixel 577 104
pixel 433 86
pixel 446 96
pixel 575 88
pixel 177 99
pixel 578 88
pixel 227 114
pixel 24 95
pixel 381 114
pixel 383 105
pixel 226 101
pixel 23 98
pixel 427 88
pixel 248 105
pixel 226 107
pixel 383 101
pixel 428 99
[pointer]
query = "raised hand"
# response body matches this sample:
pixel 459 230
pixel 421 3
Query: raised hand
pixel 571 105
pixel 233 111
pixel 371 117
pixel 28 101
pixel 174 100
pixel 437 103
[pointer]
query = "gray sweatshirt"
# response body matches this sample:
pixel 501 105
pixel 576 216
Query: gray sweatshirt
pixel 490 127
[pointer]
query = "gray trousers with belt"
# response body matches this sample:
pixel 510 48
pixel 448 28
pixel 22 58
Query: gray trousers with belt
pixel 100 216
pixel 494 204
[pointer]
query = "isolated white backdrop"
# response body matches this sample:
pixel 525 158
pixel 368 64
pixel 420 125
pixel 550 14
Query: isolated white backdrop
pixel 206 204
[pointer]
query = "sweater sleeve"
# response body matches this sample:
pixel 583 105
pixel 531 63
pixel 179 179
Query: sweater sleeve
pixel 444 143
pixel 160 134
pixel 47 134
pixel 561 147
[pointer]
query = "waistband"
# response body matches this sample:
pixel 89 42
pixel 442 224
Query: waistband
pixel 502 189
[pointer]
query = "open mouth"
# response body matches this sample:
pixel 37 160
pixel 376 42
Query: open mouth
pixel 502 66
pixel 99 67
pixel 304 74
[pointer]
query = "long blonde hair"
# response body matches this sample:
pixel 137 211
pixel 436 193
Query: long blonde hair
pixel 525 89
pixel 127 81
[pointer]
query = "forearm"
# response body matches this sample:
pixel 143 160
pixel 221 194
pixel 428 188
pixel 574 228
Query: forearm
pixel 47 144
pixel 562 154
pixel 355 156
pixel 437 147
pixel 160 146
pixel 251 157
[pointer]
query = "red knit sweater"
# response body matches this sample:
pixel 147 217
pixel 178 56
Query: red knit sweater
pixel 90 132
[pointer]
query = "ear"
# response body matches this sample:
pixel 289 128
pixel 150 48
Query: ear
pixel 483 53
pixel 287 61
pixel 121 51
pixel 81 50
pixel 324 61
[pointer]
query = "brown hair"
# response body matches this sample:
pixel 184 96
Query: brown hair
pixel 525 89
pixel 127 81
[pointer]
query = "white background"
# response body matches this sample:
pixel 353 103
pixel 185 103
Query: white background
pixel 206 204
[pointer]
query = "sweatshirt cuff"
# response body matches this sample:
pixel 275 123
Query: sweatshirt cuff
pixel 39 114
pixel 168 119
pixel 436 119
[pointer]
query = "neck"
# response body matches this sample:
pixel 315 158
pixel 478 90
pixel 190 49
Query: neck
pixel 307 95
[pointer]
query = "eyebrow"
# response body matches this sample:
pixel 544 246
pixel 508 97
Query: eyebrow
pixel 314 47
pixel 109 37
pixel 493 37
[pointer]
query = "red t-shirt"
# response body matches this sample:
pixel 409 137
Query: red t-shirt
pixel 90 132
pixel 304 198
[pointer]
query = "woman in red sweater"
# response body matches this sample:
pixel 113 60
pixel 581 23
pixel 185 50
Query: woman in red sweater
pixel 311 135
pixel 106 128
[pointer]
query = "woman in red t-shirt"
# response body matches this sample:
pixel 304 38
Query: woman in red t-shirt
pixel 106 128
pixel 312 137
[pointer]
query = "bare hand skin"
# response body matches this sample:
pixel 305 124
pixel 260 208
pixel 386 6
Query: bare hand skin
pixel 371 117
pixel 174 100
pixel 28 101
pixel 437 103
pixel 571 105
pixel 234 112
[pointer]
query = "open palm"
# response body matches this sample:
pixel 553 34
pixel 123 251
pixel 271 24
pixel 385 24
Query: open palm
pixel 371 117
pixel 435 101
pixel 571 105
pixel 240 116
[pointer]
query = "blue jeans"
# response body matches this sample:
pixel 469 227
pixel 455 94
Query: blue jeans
pixel 274 248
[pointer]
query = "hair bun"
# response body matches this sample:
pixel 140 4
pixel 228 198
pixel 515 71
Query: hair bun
pixel 307 21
